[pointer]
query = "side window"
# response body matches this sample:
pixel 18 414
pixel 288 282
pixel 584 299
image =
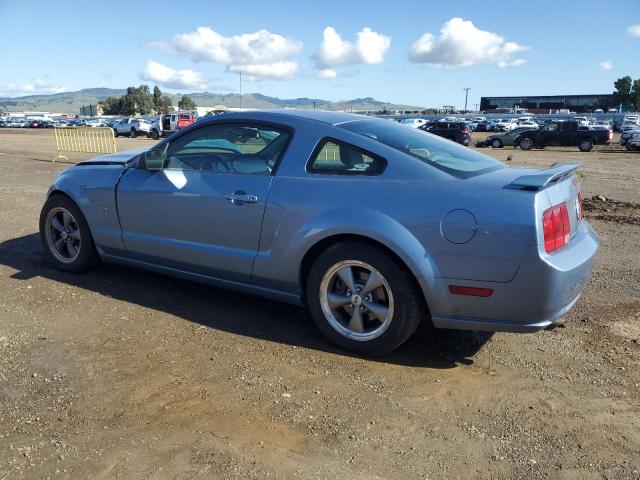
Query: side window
pixel 341 158
pixel 551 128
pixel 228 148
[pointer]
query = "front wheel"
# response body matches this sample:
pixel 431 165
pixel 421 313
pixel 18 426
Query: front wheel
pixel 65 236
pixel 362 300
pixel 115 133
pixel 526 143
pixel 133 133
pixel 585 145
pixel 496 143
pixel 154 134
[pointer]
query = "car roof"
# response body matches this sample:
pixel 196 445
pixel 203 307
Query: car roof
pixel 330 118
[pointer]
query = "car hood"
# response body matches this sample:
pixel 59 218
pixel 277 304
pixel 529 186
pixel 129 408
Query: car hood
pixel 118 158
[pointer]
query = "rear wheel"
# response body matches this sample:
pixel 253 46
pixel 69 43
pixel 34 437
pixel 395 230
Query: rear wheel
pixel 526 143
pixel 585 145
pixel 362 300
pixel 65 236
pixel 496 143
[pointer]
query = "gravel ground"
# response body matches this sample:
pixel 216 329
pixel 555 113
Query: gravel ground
pixel 125 374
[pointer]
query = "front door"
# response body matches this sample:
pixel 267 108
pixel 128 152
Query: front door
pixel 203 211
pixel 550 134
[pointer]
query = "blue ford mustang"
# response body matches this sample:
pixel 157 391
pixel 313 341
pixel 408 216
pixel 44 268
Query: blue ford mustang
pixel 374 225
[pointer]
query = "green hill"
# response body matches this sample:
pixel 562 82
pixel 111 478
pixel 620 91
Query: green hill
pixel 70 102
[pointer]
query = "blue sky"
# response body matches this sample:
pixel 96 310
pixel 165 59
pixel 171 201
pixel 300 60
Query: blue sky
pixel 421 53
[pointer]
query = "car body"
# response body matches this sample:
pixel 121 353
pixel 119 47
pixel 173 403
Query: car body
pixel 414 122
pixel 564 133
pixel 170 123
pixel 373 225
pixel 131 127
pixel 506 139
pixel 485 126
pixel 458 132
pixel 633 144
pixel 628 125
pixel 626 135
pixel 505 125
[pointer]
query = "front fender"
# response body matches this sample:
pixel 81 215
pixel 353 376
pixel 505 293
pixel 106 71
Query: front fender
pixel 92 188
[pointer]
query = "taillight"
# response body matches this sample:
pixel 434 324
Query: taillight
pixel 465 130
pixel 610 134
pixel 556 227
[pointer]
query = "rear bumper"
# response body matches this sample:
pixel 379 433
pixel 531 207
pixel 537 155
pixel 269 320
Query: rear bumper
pixel 545 288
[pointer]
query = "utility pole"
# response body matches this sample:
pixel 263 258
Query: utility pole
pixel 466 97
pixel 314 105
pixel 240 88
pixel 476 105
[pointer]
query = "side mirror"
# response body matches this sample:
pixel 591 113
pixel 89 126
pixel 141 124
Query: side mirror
pixel 152 159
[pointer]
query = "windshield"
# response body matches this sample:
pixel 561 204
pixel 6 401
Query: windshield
pixel 435 151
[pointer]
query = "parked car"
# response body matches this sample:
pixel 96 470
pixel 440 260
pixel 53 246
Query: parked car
pixel 486 126
pixel 414 122
pixel 131 127
pixel 628 125
pixel 506 139
pixel 505 125
pixel 458 132
pixel 374 226
pixel 563 133
pixel 169 123
pixel 625 136
pixel 633 144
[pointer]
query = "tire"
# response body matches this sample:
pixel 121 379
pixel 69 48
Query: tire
pixel 496 143
pixel 76 232
pixel 399 303
pixel 585 145
pixel 526 143
pixel 540 147
pixel 133 134
pixel 115 133
pixel 154 134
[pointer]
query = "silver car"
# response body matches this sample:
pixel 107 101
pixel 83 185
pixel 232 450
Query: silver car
pixel 506 139
pixel 373 225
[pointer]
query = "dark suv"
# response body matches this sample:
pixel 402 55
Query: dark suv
pixel 457 131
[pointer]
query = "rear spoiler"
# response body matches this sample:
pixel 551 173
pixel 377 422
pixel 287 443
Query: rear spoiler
pixel 542 179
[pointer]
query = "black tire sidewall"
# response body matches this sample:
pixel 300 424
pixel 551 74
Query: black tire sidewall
pixel 88 256
pixel 585 149
pixel 528 142
pixel 408 303
pixel 496 143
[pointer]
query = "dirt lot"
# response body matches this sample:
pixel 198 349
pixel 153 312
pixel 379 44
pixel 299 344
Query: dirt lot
pixel 127 374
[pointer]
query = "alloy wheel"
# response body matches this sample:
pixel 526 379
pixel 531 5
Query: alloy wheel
pixel 63 235
pixel 356 300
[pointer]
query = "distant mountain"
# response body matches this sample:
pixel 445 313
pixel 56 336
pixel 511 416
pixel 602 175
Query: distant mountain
pixel 70 102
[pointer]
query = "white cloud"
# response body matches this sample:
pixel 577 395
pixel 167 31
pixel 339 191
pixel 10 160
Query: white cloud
pixel 370 48
pixel 170 78
pixel 606 65
pixel 634 30
pixel 40 85
pixel 327 73
pixel 461 44
pixel 261 54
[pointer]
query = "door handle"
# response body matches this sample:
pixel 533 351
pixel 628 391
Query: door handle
pixel 240 198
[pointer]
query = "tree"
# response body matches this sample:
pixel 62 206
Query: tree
pixel 187 103
pixel 635 95
pixel 111 106
pixel 137 101
pixel 622 95
pixel 157 96
pixel 165 105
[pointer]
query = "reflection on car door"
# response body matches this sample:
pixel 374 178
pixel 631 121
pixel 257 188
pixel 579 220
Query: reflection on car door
pixel 202 212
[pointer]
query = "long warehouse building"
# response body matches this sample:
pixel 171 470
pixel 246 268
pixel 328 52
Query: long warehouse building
pixel 549 103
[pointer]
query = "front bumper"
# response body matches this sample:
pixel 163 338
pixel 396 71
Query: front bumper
pixel 545 288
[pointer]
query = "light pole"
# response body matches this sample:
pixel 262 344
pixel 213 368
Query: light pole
pixel 466 97
pixel 240 88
